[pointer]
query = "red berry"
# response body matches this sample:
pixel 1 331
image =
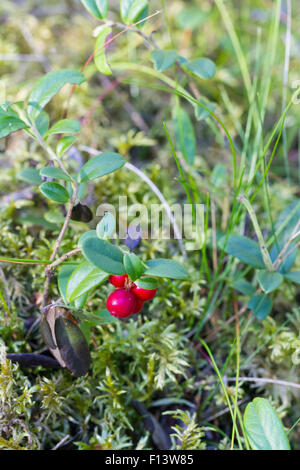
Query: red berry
pixel 144 294
pixel 139 303
pixel 121 303
pixel 118 281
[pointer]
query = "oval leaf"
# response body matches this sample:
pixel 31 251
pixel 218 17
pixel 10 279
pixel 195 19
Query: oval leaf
pixel 9 124
pixel 263 427
pixel 49 86
pixel 55 192
pixel 100 56
pixel 163 59
pixel 269 281
pixel 84 278
pixel 97 8
pixel 30 175
pixel 64 144
pixel 133 266
pixel 100 165
pixel 56 173
pixel 244 249
pixel 86 236
pixel 103 255
pixel 261 306
pixel 133 10
pixel 293 276
pixel 166 268
pixel 203 68
pixel 65 126
pixel 147 283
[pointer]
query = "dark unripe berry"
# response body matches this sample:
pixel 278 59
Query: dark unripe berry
pixel 121 303
pixel 143 294
pixel 118 281
pixel 139 303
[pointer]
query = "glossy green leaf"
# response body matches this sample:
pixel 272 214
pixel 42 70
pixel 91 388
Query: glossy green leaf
pixel 106 226
pixel 30 175
pixel 86 236
pixel 166 268
pixel 101 165
pixel 133 10
pixel 293 276
pixel 72 346
pixel 84 278
pixel 65 126
pixel 133 266
pixel 100 53
pixel 42 123
pixel 163 59
pixel 261 306
pixel 269 281
pixel 245 250
pixel 97 8
pixel 147 283
pixel 185 135
pixel 9 124
pixel 49 86
pixel 244 287
pixel 64 274
pixel 64 144
pixel 55 192
pixel 104 317
pixel 103 255
pixel 263 427
pixel 56 173
pixel 202 68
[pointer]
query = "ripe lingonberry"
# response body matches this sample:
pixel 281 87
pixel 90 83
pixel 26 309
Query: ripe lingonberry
pixel 144 294
pixel 118 281
pixel 121 303
pixel 139 303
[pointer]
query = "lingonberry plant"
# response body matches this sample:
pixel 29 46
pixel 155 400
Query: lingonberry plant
pixel 101 260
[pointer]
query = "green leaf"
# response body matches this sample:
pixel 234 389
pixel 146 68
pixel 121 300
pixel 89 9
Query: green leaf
pixel 163 59
pixel 64 274
pixel 84 278
pixel 244 287
pixel 293 276
pixel 288 262
pixel 42 123
pixel 65 126
pixel 103 255
pixel 55 192
pixel 261 306
pixel 191 17
pixel 86 236
pixel 49 86
pixel 269 281
pixel 30 175
pixel 263 427
pixel 56 173
pixel 72 346
pixel 202 68
pixel 97 8
pixel 166 268
pixel 133 10
pixel 185 135
pixel 133 266
pixel 104 317
pixel 106 226
pixel 100 165
pixel 64 144
pixel 202 113
pixel 245 250
pixel 147 283
pixel 9 124
pixel 100 55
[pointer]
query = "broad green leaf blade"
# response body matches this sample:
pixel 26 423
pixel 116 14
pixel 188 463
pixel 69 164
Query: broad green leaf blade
pixel 9 124
pixel 202 68
pixel 245 250
pixel 185 135
pixel 147 283
pixel 84 278
pixel 56 173
pixel 288 261
pixel 261 306
pixel 64 144
pixel 49 86
pixel 106 227
pixel 63 278
pixel 86 236
pixel 104 317
pixel 100 54
pixel 191 17
pixel 166 268
pixel 243 286
pixel 72 346
pixel 55 192
pixel 30 175
pixel 101 165
pixel 97 8
pixel 65 126
pixel 133 266
pixel 42 123
pixel 103 255
pixel 263 427
pixel 293 276
pixel 163 59
pixel 269 281
pixel 133 10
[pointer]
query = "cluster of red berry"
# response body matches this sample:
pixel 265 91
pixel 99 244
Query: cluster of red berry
pixel 128 298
